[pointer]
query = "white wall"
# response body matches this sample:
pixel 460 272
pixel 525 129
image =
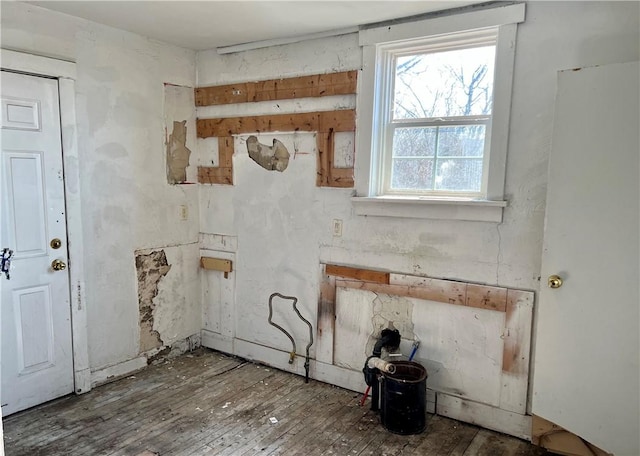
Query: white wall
pixel 280 223
pixel 126 201
pixel 283 222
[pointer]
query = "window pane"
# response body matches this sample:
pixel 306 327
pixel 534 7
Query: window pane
pixel 461 141
pixel 414 142
pixel 459 174
pixel 412 173
pixel 444 84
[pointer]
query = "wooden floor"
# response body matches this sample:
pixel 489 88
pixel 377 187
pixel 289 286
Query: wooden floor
pixel 207 403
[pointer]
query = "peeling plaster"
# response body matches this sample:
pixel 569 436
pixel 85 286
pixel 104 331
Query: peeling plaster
pixel 391 311
pixel 151 268
pixel 271 158
pixel 177 154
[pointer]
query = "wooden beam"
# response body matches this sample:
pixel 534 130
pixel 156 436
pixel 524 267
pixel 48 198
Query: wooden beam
pixel 325 123
pixel 318 85
pixel 366 275
pixel 409 291
pixel 215 175
pixel 516 351
pixel 225 152
pixel 486 297
pixel 340 177
pixel 321 121
pixel 306 121
pixel 447 291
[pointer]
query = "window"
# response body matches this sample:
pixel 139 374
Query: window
pixel 438 115
pixel 433 113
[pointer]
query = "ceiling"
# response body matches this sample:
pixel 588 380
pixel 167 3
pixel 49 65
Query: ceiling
pixel 210 24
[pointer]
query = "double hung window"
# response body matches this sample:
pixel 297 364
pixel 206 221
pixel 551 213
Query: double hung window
pixel 433 115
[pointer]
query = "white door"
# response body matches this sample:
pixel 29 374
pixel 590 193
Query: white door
pixel 586 376
pixel 37 359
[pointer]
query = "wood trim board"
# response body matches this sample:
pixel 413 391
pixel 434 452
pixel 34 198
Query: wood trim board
pixel 317 85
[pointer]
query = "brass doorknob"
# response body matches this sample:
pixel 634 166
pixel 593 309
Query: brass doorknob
pixel 554 281
pixel 58 265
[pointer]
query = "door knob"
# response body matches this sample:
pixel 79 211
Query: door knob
pixel 58 265
pixel 554 281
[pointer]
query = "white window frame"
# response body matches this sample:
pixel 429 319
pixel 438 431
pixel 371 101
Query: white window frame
pixel 369 167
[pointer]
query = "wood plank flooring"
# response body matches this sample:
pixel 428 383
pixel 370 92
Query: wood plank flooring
pixel 207 403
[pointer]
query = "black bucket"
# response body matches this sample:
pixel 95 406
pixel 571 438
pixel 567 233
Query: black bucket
pixel 404 398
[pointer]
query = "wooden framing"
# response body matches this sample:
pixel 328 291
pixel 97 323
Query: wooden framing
pixel 318 85
pixel 325 123
pixel 516 305
pixel 554 438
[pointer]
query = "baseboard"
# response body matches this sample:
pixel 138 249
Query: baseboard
pixel 484 415
pixel 116 371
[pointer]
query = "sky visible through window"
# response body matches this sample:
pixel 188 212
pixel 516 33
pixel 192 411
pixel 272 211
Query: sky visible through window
pixel 432 86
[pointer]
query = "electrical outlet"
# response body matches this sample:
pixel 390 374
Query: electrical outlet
pixel 184 212
pixel 337 227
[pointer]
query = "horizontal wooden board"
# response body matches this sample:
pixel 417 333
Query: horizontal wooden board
pixel 340 177
pixel 318 85
pixel 448 291
pixel 486 297
pixel 215 175
pixel 366 275
pixel 216 264
pixel 342 120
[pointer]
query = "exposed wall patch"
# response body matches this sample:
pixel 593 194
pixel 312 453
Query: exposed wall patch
pixel 151 267
pixel 271 158
pixel 177 154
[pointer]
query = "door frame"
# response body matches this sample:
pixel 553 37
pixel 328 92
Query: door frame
pixel 65 73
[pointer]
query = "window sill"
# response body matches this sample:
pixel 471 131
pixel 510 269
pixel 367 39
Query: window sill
pixel 430 208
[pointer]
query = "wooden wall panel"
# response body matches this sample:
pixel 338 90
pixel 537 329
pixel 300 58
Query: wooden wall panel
pixel 325 123
pixel 318 85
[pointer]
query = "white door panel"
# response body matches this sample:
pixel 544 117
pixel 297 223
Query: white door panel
pixel 587 341
pixel 37 359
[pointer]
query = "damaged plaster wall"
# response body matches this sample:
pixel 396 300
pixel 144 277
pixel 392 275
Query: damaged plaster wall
pixel 151 267
pixel 284 226
pixel 271 158
pixel 177 154
pixel 126 202
pixel 180 134
pixel 460 347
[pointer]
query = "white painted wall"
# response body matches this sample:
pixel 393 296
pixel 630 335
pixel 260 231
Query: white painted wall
pixel 126 201
pixel 279 226
pixel 283 222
